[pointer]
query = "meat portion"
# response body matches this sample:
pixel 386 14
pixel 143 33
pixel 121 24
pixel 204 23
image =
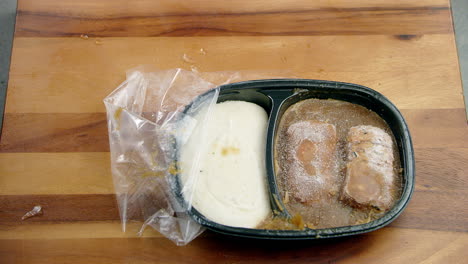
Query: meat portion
pixel 310 154
pixel 370 179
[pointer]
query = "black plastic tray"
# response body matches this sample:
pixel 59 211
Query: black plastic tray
pixel 275 96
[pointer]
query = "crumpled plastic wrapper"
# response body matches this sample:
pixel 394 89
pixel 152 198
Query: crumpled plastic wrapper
pixel 150 116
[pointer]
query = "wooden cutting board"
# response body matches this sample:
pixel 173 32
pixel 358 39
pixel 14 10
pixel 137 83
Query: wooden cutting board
pixel 68 55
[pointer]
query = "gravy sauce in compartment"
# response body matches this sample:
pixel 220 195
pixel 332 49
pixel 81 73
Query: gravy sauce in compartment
pixel 336 165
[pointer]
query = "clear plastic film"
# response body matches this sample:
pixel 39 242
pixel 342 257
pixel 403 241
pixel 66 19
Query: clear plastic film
pixel 150 117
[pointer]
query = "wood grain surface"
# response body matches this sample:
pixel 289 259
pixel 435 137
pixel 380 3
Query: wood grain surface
pixel 68 55
pixel 216 18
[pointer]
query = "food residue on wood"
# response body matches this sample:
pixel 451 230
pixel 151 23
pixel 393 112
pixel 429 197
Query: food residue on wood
pixel 37 210
pixel 187 59
pixel 194 68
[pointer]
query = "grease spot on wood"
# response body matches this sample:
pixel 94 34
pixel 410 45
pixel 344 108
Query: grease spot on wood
pixel 408 37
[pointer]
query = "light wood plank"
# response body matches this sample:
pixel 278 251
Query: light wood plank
pixel 87 132
pixel 80 73
pixel 453 252
pixel 55 173
pixel 437 128
pixel 92 179
pixel 389 245
pixel 74 230
pixel 89 173
pixel 63 132
pixel 396 246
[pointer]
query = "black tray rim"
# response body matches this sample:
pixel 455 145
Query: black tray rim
pixel 303 85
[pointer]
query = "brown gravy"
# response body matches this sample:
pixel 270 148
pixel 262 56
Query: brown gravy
pixel 328 211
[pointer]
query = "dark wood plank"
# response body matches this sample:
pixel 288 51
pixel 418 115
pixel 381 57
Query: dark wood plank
pixel 87 132
pixel 162 19
pixel 435 210
pixel 84 132
pixel 59 208
pixel 442 169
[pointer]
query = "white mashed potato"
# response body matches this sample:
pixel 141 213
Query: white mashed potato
pixel 229 180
